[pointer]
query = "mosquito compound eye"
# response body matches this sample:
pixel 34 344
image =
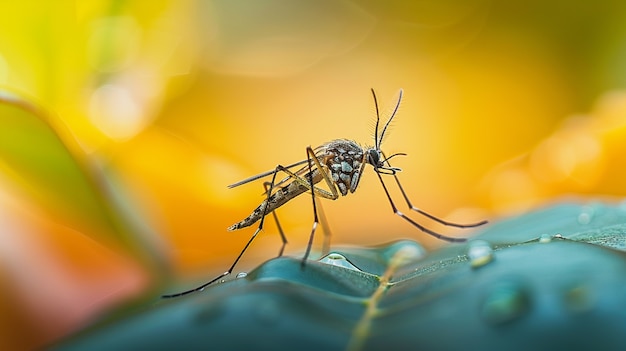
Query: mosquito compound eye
pixel 374 157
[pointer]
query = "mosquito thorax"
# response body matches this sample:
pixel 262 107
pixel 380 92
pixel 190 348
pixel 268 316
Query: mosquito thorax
pixel 344 159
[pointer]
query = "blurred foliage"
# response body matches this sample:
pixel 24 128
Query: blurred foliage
pixel 547 280
pixel 123 122
pixel 54 178
pixel 583 156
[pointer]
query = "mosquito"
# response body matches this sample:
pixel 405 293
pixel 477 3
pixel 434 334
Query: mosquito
pixel 340 164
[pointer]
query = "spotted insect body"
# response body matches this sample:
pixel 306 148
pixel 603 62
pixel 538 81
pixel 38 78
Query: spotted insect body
pixel 339 164
pixel 344 159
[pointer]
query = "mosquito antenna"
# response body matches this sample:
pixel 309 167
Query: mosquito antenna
pixel 393 114
pixel 377 119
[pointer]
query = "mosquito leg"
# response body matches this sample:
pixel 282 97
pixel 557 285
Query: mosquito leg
pixel 426 214
pixel 310 152
pixel 267 186
pixel 436 219
pixel 415 224
pixel 325 228
pixel 333 195
pixel 310 183
pixel 313 189
pixel 256 232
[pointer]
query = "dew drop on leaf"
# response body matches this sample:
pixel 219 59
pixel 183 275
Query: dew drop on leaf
pixel 480 253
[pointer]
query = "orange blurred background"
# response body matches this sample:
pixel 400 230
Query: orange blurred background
pixel 507 105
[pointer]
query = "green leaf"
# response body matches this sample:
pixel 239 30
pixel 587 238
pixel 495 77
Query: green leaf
pixel 42 160
pixel 551 279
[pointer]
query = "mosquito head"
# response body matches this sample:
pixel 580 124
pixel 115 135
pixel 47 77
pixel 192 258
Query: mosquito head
pixel 376 158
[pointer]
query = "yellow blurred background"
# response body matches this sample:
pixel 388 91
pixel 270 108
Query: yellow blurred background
pixel 507 105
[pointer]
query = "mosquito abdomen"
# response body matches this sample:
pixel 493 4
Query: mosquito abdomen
pixel 279 198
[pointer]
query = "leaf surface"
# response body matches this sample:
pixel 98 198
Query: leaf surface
pixel 546 280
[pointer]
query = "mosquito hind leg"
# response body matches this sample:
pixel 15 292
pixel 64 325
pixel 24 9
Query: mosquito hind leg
pixel 256 232
pixel 269 189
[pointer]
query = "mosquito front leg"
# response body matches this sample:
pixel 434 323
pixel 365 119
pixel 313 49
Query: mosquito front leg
pixel 434 218
pixel 415 224
pixel 426 214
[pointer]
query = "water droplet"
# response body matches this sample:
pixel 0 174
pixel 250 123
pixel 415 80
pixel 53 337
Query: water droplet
pixel 242 275
pixel 222 281
pixel 505 303
pixel 408 253
pixel 336 259
pixel 403 250
pixel 480 253
pixel 545 238
pixel 586 215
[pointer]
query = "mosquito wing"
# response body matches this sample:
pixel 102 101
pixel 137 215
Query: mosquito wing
pixel 269 173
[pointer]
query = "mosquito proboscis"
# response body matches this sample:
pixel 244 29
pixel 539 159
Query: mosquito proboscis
pixel 340 164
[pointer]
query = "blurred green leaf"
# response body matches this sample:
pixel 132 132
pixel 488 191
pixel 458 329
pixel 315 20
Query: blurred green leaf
pixel 42 161
pixel 524 284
